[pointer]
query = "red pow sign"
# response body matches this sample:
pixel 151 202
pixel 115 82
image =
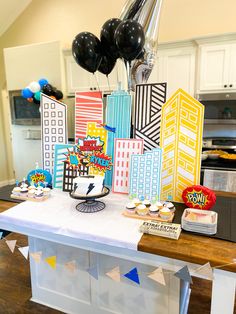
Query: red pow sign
pixel 198 196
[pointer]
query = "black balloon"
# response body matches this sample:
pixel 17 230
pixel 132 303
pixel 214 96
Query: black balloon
pixel 107 37
pixel 86 50
pixel 130 39
pixel 58 94
pixel 37 102
pixel 141 55
pixel 107 64
pixel 48 90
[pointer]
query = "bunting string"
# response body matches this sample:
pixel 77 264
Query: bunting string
pixel 115 274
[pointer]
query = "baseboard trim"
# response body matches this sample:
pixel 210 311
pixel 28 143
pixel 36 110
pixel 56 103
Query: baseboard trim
pixel 6 182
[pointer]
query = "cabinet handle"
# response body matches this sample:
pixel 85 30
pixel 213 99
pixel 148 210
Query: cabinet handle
pixel 91 88
pixel 95 88
pixel 225 86
pixel 231 85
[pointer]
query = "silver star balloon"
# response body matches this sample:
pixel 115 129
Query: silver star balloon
pixel 147 13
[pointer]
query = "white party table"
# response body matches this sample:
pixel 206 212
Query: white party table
pixel 101 241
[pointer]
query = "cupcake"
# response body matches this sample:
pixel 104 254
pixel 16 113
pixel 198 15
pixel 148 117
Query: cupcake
pixel 153 210
pixel 46 191
pixel 165 213
pixel 147 203
pixel 24 192
pixel 136 201
pixel 142 210
pixel 38 194
pixel 31 193
pixel 16 191
pixel 130 208
pixel 31 187
pixel 159 205
pixel 23 185
pixel 170 205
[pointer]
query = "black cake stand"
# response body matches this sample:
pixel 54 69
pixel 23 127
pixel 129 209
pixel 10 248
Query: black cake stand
pixel 90 205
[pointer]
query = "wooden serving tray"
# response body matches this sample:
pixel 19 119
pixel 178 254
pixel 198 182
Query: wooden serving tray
pixel 148 217
pixel 26 198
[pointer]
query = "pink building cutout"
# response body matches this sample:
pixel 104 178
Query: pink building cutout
pixel 124 148
pixel 88 108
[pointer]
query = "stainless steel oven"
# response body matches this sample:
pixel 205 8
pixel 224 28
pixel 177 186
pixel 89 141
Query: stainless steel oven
pixel 219 174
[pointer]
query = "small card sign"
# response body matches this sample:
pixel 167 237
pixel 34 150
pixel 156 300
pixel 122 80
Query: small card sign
pixel 162 229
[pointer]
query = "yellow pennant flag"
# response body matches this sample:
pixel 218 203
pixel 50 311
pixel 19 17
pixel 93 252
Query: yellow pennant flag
pixel 52 261
pixel 36 256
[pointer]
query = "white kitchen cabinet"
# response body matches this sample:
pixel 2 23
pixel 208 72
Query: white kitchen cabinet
pixel 176 66
pixel 217 67
pixel 79 79
pixel 232 67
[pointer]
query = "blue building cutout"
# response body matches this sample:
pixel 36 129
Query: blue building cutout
pixel 118 115
pixel 145 174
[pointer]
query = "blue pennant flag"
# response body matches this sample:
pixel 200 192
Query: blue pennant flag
pixel 93 271
pixel 184 274
pixel 133 275
pixel 1 235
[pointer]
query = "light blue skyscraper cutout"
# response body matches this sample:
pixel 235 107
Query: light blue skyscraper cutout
pixel 118 115
pixel 145 174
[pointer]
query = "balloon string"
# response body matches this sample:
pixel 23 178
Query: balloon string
pixel 117 75
pixel 97 82
pixel 128 70
pixel 108 82
pixel 103 104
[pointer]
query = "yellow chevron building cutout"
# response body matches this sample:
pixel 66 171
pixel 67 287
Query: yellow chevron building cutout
pixel 181 142
pixel 93 130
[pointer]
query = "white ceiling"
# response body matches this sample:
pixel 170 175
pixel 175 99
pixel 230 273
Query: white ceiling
pixel 9 11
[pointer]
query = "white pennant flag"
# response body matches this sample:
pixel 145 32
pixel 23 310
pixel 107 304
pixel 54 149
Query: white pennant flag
pixel 36 256
pixel 11 244
pixel 206 271
pixel 71 266
pixel 24 251
pixel 158 276
pixel 114 274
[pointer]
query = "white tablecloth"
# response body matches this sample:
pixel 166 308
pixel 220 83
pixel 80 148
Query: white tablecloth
pixel 58 215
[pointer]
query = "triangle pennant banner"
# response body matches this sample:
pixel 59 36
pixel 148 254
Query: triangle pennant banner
pixel 158 276
pixel 133 275
pixel 36 256
pixel 52 261
pixel 24 251
pixel 206 271
pixel 11 244
pixel 114 274
pixel 70 266
pixel 1 233
pixel 184 274
pixel 93 272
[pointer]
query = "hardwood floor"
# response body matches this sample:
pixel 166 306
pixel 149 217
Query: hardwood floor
pixel 15 288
